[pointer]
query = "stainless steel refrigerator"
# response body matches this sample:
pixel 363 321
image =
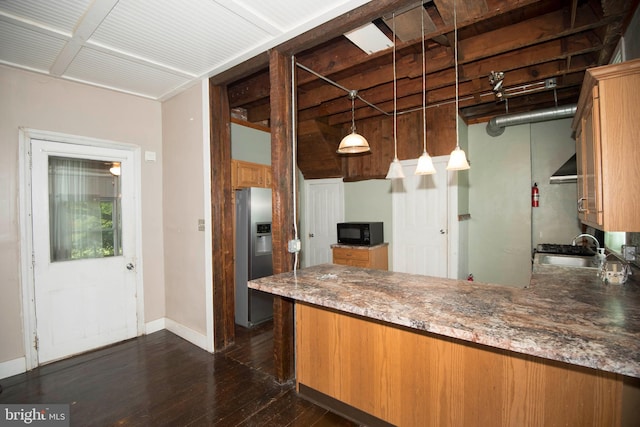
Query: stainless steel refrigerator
pixel 253 255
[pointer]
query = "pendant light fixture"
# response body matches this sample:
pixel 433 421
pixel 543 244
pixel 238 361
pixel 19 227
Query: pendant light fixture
pixel 425 164
pixel 458 159
pixel 353 143
pixel 395 168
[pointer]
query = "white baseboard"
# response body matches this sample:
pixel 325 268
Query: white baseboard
pixel 195 338
pixel 154 326
pixel 13 367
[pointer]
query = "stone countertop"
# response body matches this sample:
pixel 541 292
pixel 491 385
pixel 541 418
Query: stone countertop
pixel 565 314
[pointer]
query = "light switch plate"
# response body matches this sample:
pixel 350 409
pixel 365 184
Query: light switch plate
pixel 150 156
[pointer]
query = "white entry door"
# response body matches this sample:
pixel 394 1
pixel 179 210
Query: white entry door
pixel 324 207
pixel 83 247
pixel 421 220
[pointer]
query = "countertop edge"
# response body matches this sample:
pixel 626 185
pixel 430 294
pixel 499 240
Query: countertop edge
pixel 468 333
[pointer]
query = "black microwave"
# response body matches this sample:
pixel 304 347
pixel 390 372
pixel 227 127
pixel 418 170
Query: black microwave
pixel 360 233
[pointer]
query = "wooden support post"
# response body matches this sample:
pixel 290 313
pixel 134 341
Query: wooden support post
pixel 221 216
pixel 282 166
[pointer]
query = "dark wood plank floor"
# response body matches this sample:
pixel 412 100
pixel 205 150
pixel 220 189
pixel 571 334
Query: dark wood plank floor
pixel 162 380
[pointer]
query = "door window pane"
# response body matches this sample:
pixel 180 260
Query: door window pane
pixel 84 209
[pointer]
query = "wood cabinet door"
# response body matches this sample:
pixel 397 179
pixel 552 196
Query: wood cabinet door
pixel 591 135
pixel 581 184
pixel 266 176
pixel 247 174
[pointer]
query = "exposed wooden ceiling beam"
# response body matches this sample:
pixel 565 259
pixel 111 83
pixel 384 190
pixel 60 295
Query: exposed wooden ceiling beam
pixel 529 40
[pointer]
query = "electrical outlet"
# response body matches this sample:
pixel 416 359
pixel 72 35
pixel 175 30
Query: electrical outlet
pixel 294 246
pixel 629 252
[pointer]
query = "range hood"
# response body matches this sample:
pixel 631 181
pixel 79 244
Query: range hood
pixel 567 173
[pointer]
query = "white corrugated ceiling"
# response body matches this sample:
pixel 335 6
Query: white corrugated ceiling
pixel 150 48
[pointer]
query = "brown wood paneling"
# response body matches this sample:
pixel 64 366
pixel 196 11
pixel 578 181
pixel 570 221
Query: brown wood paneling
pixel 529 40
pixel 283 219
pixel 441 140
pixel 250 125
pixel 418 379
pixel 318 142
pixel 221 215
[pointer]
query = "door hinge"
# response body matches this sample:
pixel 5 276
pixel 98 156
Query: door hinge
pixel 36 343
pixel 30 160
pixel 33 260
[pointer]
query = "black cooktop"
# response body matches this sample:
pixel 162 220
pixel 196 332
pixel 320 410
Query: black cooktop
pixel 553 248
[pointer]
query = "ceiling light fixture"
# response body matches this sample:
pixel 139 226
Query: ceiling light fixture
pixel 115 169
pixel 425 164
pixel 458 159
pixel 353 143
pixel 395 168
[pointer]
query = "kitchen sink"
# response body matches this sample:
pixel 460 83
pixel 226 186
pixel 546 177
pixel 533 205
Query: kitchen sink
pixel 565 260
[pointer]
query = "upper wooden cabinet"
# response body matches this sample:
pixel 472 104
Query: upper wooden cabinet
pixel 247 174
pixel 607 127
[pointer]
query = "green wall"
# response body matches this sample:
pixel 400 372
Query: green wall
pixel 370 200
pixel 250 145
pixel 555 220
pixel 500 206
pixel 504 228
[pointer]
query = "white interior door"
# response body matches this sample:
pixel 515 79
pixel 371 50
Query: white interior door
pixel 324 208
pixel 83 248
pixel 420 220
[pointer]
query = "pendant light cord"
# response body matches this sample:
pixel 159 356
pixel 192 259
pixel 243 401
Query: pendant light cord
pixel 424 82
pixel 395 142
pixel 353 95
pixel 294 143
pixel 455 59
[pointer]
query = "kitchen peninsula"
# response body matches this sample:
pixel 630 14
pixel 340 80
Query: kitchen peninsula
pixel 415 350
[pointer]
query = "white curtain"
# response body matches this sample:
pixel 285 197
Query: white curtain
pixel 76 190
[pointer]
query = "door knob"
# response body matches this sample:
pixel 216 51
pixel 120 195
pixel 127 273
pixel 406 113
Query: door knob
pixel 311 235
pixel 130 266
pixel 442 231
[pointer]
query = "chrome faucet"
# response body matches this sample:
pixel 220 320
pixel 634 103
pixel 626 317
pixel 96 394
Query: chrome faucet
pixel 573 243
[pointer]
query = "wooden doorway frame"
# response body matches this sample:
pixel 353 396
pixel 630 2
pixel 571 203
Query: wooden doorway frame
pixel 278 60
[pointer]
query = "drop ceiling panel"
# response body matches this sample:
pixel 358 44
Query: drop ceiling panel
pixel 60 14
pixel 107 70
pixel 153 48
pixel 190 38
pixel 30 49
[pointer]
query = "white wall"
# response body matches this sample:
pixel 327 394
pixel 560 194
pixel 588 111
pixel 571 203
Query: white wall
pixel 183 206
pixel 39 102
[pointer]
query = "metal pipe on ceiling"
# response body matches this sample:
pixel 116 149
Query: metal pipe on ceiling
pixel 495 126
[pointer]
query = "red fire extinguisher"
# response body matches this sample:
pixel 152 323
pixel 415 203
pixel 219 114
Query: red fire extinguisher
pixel 535 195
